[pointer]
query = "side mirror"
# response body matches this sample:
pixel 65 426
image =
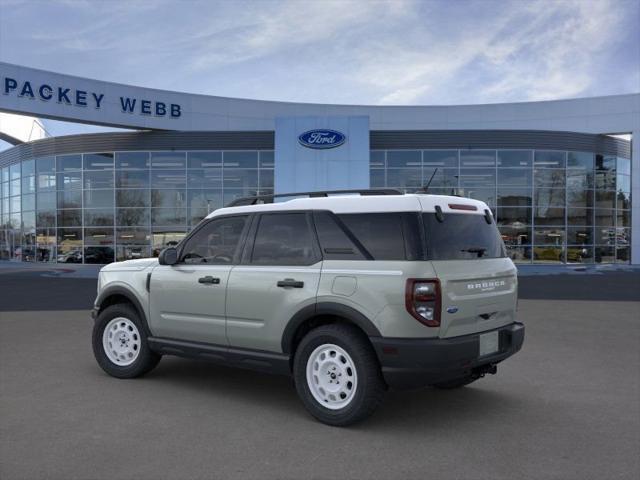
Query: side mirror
pixel 168 256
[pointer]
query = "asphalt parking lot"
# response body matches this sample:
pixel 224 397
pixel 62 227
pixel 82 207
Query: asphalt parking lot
pixel 566 407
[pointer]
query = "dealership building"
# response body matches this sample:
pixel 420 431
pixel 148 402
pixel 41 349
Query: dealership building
pixel 561 177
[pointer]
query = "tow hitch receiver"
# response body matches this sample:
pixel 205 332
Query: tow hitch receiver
pixel 488 369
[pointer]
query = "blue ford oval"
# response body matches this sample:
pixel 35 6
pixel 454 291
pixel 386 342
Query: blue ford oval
pixel 322 138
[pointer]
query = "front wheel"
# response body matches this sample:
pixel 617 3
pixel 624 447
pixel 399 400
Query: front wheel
pixel 337 375
pixel 120 343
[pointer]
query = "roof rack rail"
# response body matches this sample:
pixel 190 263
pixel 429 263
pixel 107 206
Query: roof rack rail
pixel 244 201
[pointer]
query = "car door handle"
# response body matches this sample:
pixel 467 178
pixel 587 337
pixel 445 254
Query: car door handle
pixel 209 280
pixel 290 282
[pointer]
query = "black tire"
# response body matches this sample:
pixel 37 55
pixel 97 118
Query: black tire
pixel 457 383
pixel 146 359
pixel 370 386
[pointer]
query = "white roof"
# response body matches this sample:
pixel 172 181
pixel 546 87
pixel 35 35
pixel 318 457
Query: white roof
pixel 367 203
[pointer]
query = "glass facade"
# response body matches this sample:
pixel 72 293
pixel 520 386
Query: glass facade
pixel 106 206
pixel 551 206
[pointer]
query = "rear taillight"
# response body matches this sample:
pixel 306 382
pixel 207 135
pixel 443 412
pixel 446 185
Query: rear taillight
pixel 422 298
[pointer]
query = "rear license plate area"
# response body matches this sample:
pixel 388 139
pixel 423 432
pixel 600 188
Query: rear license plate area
pixel 489 343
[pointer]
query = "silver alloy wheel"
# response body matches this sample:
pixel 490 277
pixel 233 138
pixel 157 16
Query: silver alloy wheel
pixel 331 376
pixel 121 341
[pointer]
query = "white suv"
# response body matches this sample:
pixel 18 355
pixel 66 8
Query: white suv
pixel 350 294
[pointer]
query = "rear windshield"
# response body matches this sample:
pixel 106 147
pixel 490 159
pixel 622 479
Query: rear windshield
pixel 461 237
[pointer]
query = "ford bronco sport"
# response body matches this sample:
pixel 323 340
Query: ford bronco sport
pixel 351 294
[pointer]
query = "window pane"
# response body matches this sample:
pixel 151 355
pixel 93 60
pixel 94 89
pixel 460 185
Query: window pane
pixel 70 218
pixel 133 236
pixel 43 165
pixel 514 176
pixel 477 177
pixel 404 177
pixel 70 199
pixel 132 160
pixel 283 239
pixel 46 218
pixel 577 197
pixel 549 236
pixel 169 217
pixel 623 254
pixel 549 159
pixel 582 160
pixel 605 199
pixel 381 234
pixel 440 158
pixel 266 179
pixel 516 235
pixel 168 160
pixel 546 197
pixel 46 201
pixel 168 198
pixel 580 235
pixel 216 243
pixel 267 159
pixel 132 179
pixel 486 195
pixel 549 178
pixel 14 187
pixel 519 254
pixel 28 168
pixel 624 218
pixel 98 179
pixel 404 158
pixel 604 217
pixel 548 216
pixel 165 237
pixel 548 254
pixel 376 159
pixel 579 178
pixel 98 161
pixel 605 235
pixel 29 202
pixel 623 183
pixel 98 236
pixel 99 254
pixel 514 216
pixel 477 158
pixel 70 180
pixel 69 162
pixel 623 166
pixel 98 217
pixel 376 178
pixel 168 179
pixel 205 178
pixel 236 177
pixel 579 255
pixel 240 159
pixel 132 198
pixel 131 252
pixel 514 158
pixel 443 178
pixel 579 216
pixel 514 197
pixel 28 184
pixel 605 254
pixel 132 216
pixel 605 163
pixel 98 199
pixel 204 159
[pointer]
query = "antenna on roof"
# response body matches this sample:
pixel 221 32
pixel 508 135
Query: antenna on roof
pixel 425 188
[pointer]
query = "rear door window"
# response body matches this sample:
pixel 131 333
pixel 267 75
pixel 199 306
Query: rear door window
pixel 284 239
pixel 461 236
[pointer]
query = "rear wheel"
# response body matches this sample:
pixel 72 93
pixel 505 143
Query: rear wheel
pixel 120 343
pixel 337 375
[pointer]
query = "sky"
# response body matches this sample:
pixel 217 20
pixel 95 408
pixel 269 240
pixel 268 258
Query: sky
pixel 396 52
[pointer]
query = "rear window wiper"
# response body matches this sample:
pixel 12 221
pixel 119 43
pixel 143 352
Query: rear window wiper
pixel 478 250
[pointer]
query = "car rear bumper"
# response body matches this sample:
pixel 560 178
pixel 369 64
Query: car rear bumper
pixel 418 362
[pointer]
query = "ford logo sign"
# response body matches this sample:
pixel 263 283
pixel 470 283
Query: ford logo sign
pixel 322 138
pixel 452 309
